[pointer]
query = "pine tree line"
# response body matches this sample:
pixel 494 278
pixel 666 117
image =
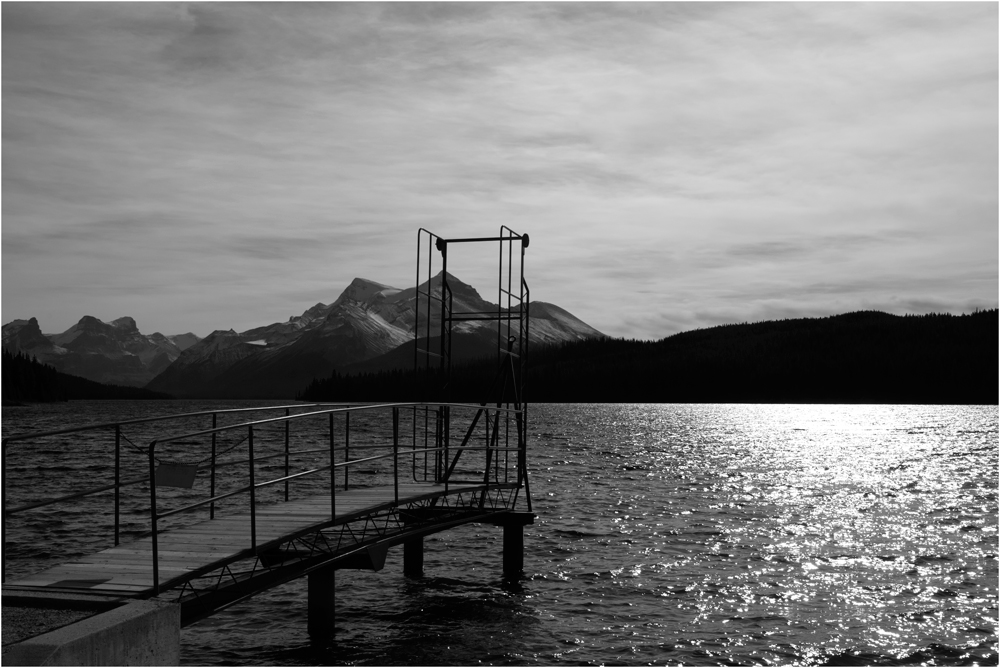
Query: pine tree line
pixel 862 357
pixel 26 380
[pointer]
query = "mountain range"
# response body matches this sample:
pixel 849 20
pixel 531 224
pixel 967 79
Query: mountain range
pixel 369 326
pixel 113 352
pixel 368 322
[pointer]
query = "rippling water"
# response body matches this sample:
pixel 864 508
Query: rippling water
pixel 683 534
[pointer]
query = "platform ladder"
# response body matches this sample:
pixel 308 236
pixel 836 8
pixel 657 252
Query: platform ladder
pixel 435 322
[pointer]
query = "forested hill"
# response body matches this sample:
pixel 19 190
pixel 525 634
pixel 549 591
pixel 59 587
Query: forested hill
pixel 862 357
pixel 28 380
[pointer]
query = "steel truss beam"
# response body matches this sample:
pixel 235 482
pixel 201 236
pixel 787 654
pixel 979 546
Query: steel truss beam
pixel 361 542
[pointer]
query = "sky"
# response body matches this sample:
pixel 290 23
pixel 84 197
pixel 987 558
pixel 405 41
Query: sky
pixel 677 166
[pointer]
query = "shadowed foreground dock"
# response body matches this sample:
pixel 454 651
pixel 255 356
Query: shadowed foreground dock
pixel 200 566
pixel 299 529
pixel 300 492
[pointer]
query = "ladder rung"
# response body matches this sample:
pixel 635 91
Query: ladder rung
pixel 473 317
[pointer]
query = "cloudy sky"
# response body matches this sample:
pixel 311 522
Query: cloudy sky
pixel 215 166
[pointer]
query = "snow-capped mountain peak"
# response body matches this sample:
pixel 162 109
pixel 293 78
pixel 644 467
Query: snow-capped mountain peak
pixel 362 290
pixel 367 322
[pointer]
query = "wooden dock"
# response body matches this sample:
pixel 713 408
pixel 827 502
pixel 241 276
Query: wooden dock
pixel 209 545
pixel 433 478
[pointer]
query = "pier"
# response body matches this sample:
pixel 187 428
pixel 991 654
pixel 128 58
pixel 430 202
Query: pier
pixel 201 511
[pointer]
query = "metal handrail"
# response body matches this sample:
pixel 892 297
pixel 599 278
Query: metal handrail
pixel 158 418
pixel 332 411
pixel 70 497
pixel 253 485
pixel 437 447
pixel 118 484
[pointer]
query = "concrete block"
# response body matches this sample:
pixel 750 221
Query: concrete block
pixel 141 633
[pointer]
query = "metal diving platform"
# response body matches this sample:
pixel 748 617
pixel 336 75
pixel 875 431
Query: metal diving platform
pixel 202 510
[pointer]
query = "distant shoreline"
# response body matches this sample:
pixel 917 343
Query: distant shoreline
pixel 856 358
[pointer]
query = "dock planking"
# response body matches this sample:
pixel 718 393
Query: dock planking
pixel 127 569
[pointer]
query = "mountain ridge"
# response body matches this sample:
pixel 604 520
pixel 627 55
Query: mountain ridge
pixel 113 352
pixel 368 319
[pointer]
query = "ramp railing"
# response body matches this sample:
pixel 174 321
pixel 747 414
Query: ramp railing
pixel 234 467
pixel 44 463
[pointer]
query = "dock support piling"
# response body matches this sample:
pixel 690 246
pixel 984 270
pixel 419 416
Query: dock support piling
pixel 513 550
pixel 413 557
pixel 322 600
pixel 513 541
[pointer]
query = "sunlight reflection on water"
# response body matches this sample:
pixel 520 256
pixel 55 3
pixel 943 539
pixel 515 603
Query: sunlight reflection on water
pixel 695 534
pixel 814 522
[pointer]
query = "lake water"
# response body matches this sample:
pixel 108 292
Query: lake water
pixel 666 534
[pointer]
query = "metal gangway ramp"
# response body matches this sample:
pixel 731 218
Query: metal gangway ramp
pixel 208 508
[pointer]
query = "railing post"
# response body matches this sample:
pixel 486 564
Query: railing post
pixel 288 411
pixel 522 454
pixel 347 446
pixel 3 526
pixel 253 494
pixel 153 517
pixel 211 506
pixel 438 470
pixel 118 479
pixel 441 446
pixel 395 452
pixel 333 475
pixel 490 443
pixel 413 443
pixel 447 440
pixel 435 444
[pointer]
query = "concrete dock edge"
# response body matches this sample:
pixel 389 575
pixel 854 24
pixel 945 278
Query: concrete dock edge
pixel 141 633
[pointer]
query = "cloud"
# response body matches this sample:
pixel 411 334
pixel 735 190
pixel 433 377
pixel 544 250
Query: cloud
pixel 674 163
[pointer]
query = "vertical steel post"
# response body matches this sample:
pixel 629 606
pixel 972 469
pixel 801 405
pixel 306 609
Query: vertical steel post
pixel 500 292
pixel 3 526
pixel 437 441
pixel 211 506
pixel 445 365
pixel 522 456
pixel 510 277
pixel 153 517
pixel 416 322
pixel 287 425
pixel 118 479
pixel 413 444
pixel 395 452
pixel 430 292
pixel 333 475
pixel 525 343
pixel 447 437
pixel 486 467
pixel 441 446
pixel 347 446
pixel 253 494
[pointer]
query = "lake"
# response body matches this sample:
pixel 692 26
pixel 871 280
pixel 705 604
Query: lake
pixel 666 534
